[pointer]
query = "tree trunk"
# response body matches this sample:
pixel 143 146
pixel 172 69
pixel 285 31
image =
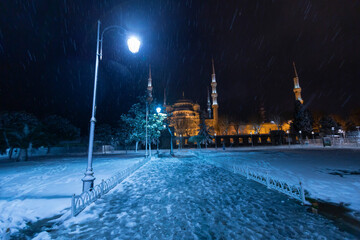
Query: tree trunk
pixel 136 146
pixel 11 151
pixel 171 145
pixel 6 139
pixel 23 155
pixel 157 146
pixel 150 149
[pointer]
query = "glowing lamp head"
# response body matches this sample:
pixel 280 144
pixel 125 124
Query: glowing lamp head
pixel 158 109
pixel 133 44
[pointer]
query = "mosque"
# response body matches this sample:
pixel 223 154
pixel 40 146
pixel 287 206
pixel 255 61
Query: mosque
pixel 185 116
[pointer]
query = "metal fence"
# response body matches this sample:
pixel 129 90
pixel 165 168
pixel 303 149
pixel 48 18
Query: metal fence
pixel 80 202
pixel 294 191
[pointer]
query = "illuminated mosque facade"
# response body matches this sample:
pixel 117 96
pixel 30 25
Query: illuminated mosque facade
pixel 185 115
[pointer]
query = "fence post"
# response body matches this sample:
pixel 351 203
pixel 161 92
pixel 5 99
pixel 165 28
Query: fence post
pixel 247 172
pixel 302 193
pixel 267 180
pixel 73 205
pixel 102 187
pixel 88 197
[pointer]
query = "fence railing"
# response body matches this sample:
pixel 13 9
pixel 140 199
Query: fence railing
pixel 295 191
pixel 80 202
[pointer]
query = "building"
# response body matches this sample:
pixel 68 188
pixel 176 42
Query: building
pixel 185 115
pixel 297 88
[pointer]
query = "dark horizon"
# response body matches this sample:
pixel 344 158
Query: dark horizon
pixel 47 54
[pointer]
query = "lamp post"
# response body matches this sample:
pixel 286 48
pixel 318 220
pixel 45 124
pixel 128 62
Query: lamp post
pixel 133 45
pixel 300 139
pixel 158 110
pixel 146 129
pixel 171 142
pixel 180 143
pixel 312 133
pixel 252 140
pixel 171 135
pixel 358 137
pixel 288 133
pixel 215 142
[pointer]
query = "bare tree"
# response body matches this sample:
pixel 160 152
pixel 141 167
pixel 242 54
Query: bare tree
pixel 277 119
pixel 256 121
pixel 182 126
pixel 224 124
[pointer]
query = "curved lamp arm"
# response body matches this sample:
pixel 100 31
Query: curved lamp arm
pixel 113 27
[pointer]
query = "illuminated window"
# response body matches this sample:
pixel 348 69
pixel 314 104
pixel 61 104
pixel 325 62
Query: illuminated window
pixel 222 140
pixel 241 140
pixel 250 140
pixel 186 141
pixel 177 142
pixel 259 139
pixel 268 140
pixel 231 140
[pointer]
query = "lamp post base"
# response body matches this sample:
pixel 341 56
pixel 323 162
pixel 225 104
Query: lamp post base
pixel 88 181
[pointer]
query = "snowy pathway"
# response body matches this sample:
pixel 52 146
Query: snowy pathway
pixel 186 198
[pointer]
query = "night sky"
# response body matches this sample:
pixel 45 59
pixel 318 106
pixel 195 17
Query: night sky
pixel 47 55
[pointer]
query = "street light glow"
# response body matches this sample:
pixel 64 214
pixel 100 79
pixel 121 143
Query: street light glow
pixel 158 109
pixel 133 44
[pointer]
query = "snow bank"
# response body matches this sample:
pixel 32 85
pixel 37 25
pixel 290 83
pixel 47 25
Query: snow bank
pixel 329 174
pixel 41 189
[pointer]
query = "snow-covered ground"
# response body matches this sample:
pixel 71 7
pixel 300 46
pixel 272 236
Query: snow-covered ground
pixel 42 188
pixel 188 198
pixel 182 197
pixel 329 174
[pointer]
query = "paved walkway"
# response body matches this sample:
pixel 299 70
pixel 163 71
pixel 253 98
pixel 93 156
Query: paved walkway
pixel 186 198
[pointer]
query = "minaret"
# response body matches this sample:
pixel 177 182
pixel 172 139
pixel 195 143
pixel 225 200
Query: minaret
pixel 208 103
pixel 214 97
pixel 297 88
pixel 149 87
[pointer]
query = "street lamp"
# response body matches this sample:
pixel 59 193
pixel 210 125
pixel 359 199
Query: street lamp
pixel 180 142
pixel 134 45
pixel 312 133
pixel 171 142
pixel 158 110
pixel 252 140
pixel 215 142
pixel 288 133
pixel 146 130
pixel 300 136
